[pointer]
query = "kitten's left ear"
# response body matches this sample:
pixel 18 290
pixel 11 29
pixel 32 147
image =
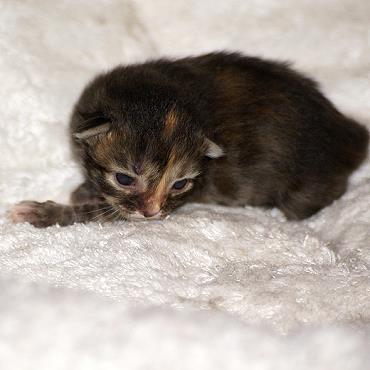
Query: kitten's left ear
pixel 212 150
pixel 92 132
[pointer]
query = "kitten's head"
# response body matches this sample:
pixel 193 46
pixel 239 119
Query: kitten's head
pixel 143 150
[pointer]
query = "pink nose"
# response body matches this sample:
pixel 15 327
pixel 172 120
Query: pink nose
pixel 150 213
pixel 150 206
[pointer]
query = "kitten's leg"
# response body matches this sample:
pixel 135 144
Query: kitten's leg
pixel 50 213
pixel 296 209
pixel 310 199
pixel 86 193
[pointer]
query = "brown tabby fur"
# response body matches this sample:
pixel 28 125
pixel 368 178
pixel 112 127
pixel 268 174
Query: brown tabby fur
pixel 243 130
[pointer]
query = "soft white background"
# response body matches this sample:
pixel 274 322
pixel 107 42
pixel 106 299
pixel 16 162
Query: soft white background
pixel 211 287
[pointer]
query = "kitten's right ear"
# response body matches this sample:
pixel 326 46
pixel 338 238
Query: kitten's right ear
pixel 212 150
pixel 92 132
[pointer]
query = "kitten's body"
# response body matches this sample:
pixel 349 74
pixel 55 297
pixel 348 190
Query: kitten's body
pixel 239 130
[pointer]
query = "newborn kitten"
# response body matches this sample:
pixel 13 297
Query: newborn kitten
pixel 218 128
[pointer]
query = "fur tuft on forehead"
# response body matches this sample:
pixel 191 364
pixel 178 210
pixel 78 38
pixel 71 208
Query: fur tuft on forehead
pixel 170 123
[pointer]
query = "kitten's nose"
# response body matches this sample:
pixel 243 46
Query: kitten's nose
pixel 151 212
pixel 151 206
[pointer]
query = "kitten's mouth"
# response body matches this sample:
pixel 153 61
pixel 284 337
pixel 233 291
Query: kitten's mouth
pixel 138 216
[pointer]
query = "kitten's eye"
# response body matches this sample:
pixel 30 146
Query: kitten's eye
pixel 124 179
pixel 178 185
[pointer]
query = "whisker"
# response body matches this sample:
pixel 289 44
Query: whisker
pixel 97 210
pixel 108 217
pixel 116 215
pixel 101 215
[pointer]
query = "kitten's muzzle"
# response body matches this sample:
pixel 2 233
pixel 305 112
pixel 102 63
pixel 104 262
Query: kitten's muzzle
pixel 139 215
pixel 143 211
pixel 150 213
pixel 151 207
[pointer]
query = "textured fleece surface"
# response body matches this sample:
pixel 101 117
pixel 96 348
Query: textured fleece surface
pixel 210 287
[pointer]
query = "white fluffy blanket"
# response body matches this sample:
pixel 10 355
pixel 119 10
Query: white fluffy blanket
pixel 211 287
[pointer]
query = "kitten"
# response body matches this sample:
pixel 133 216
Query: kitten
pixel 218 128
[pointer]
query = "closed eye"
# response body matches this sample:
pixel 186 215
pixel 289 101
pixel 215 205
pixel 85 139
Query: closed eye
pixel 180 184
pixel 124 180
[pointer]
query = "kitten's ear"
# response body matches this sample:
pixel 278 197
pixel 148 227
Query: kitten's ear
pixel 212 150
pixel 92 132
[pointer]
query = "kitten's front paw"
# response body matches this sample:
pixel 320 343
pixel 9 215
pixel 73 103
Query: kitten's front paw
pixel 37 214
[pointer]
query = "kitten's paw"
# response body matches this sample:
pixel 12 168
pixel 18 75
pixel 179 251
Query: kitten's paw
pixel 37 214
